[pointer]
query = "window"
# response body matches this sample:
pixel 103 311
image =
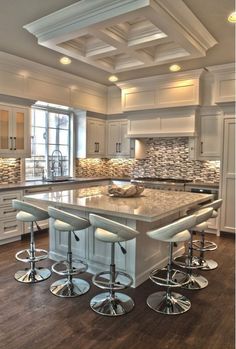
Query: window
pixel 50 143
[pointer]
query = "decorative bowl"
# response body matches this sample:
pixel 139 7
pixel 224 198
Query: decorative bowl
pixel 125 191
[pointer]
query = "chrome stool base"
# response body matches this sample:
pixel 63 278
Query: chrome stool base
pixel 67 289
pixel 211 264
pixel 206 264
pixel 105 304
pixel 197 282
pixel 172 304
pixel 30 276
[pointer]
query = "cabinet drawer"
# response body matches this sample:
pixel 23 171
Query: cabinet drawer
pixel 7 197
pixel 7 212
pixel 9 229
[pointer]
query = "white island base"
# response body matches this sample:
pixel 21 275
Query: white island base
pixel 143 254
pixel 154 208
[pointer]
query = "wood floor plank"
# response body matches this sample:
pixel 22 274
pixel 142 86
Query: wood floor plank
pixel 32 318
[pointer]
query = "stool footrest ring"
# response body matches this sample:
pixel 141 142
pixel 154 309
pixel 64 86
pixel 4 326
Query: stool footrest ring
pixel 208 246
pixel 178 278
pixel 100 281
pixel 28 255
pixel 63 268
pixel 189 263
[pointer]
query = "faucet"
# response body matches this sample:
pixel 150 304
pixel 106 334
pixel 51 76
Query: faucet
pixel 52 170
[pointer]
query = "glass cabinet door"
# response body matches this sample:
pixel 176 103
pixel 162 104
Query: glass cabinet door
pixel 19 134
pixel 6 141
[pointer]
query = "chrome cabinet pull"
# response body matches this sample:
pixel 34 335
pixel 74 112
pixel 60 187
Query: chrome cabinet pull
pixel 201 147
pixel 11 139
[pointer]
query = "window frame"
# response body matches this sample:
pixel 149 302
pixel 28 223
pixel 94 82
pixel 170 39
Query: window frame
pixel 55 110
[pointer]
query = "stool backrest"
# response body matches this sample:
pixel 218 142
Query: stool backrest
pixel 214 204
pixel 170 230
pixel 77 222
pixel 39 213
pixel 113 227
pixel 203 214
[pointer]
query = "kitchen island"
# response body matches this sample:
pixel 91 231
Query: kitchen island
pixel 154 208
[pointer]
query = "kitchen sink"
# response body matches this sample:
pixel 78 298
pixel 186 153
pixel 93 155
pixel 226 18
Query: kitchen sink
pixel 60 179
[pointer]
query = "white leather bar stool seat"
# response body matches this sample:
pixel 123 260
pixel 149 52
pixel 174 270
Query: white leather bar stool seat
pixel 191 263
pixel 69 286
pixel 169 302
pixel 204 245
pixel 29 213
pixel 112 303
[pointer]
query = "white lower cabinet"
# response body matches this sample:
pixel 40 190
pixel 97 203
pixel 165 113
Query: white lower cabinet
pixel 10 228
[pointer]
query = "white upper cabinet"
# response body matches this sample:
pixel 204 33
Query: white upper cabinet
pixel 114 100
pixel 171 90
pixel 95 137
pixel 210 134
pixel 224 84
pixel 90 136
pixel 14 131
pixel 118 144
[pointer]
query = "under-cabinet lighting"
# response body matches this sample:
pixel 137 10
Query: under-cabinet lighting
pixel 174 67
pixel 113 78
pixel 232 17
pixel 65 60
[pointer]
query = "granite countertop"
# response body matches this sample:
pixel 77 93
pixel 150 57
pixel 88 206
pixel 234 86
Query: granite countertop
pixel 38 183
pixel 150 206
pixel 203 184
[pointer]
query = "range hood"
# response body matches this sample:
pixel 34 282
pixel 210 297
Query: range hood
pixel 175 122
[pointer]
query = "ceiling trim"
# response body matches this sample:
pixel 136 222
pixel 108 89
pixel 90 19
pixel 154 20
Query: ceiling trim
pixel 123 35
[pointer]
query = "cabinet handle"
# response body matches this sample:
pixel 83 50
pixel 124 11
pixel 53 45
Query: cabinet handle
pixel 14 143
pixel 11 139
pixel 116 147
pixel 201 147
pixel 119 147
pixel 98 146
pixel 95 148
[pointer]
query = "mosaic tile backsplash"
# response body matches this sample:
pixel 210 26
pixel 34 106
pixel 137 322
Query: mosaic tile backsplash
pixel 166 157
pixel 10 171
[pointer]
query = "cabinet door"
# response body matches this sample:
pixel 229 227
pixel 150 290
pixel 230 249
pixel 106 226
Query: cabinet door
pixel 91 137
pixel 228 177
pixel 100 137
pixel 21 131
pixel 95 137
pixel 210 134
pixel 6 141
pixel 124 147
pixel 113 138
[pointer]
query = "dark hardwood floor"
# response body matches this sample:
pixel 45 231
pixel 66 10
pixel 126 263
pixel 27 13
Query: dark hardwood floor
pixel 32 318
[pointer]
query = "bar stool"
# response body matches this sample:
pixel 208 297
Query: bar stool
pixel 205 245
pixel 69 286
pixel 31 214
pixel 168 302
pixel 189 262
pixel 112 303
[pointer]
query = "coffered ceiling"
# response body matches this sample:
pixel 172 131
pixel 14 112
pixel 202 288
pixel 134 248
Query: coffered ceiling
pixel 130 38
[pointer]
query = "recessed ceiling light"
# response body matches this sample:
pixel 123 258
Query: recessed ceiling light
pixel 174 67
pixel 113 78
pixel 232 17
pixel 65 60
